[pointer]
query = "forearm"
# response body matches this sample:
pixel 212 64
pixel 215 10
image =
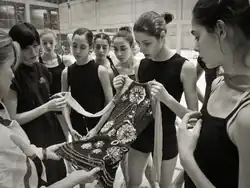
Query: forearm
pixel 101 121
pixel 175 106
pixel 66 114
pixel 28 116
pixel 194 172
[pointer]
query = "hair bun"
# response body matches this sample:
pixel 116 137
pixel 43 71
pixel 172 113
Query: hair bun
pixel 168 17
pixel 125 28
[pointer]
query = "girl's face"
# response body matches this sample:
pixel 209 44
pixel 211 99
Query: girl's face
pixel 150 46
pixel 101 48
pixel 80 47
pixel 207 45
pixel 122 49
pixel 48 43
pixel 6 74
pixel 30 54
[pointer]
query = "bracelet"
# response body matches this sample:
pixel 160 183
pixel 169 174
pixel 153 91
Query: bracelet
pixel 44 153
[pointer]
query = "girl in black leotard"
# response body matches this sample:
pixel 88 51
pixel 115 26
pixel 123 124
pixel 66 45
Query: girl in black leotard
pixel 170 75
pixel 88 82
pixel 55 65
pixel 216 154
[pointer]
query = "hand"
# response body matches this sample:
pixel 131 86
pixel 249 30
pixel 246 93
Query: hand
pixel 118 82
pixel 51 151
pixel 187 139
pixel 75 135
pixel 58 95
pixel 58 103
pixel 91 134
pixel 82 176
pixel 158 91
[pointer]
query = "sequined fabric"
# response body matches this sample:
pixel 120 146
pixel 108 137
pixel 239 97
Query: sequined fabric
pixel 131 114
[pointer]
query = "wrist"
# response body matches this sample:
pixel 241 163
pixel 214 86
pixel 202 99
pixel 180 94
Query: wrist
pixel 45 108
pixel 186 158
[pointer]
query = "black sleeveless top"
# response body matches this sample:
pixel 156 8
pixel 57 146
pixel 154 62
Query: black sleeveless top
pixel 215 154
pixel 32 85
pixel 167 73
pixel 56 73
pixel 210 76
pixel 86 88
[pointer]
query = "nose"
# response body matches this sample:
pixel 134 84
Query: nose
pixel 33 51
pixel 48 45
pixel 77 50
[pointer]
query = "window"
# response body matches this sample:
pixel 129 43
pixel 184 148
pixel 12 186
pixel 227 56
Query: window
pixel 44 17
pixel 11 13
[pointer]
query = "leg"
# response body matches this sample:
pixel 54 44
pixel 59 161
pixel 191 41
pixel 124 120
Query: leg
pixel 124 168
pixel 149 173
pixel 167 171
pixel 137 162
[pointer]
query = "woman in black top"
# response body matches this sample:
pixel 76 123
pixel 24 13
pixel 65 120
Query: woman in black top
pixel 169 75
pixel 88 82
pixel 29 99
pixel 216 153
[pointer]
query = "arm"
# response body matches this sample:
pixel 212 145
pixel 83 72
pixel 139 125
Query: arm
pixel 189 79
pixel 106 85
pixel 194 172
pixel 240 131
pixel 65 88
pixel 11 104
pixel 199 71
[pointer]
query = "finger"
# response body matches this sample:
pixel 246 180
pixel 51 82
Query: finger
pixel 55 147
pixel 197 127
pixel 187 117
pixel 94 171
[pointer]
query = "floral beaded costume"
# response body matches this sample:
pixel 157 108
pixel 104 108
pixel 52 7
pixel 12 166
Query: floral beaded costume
pixel 124 118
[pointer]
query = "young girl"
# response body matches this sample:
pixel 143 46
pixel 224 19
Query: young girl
pixel 166 71
pixel 28 101
pixel 19 164
pixel 124 43
pixel 51 60
pixel 216 153
pixel 88 82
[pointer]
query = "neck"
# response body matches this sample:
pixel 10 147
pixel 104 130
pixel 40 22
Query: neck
pixel 129 63
pixel 49 56
pixel 84 61
pixel 101 61
pixel 164 54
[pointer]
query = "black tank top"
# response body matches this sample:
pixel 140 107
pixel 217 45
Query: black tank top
pixel 56 76
pixel 86 88
pixel 215 154
pixel 167 73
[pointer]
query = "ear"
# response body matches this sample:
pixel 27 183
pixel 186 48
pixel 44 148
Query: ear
pixel 221 29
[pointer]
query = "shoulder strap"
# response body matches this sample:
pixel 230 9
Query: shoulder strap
pixel 114 69
pixel 242 103
pixel 59 59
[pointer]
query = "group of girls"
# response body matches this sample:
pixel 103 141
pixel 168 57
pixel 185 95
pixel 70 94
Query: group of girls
pixel 214 153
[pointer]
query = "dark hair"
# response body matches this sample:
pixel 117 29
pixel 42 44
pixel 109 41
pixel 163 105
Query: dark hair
pixel 153 23
pixel 233 12
pixel 88 34
pixel 103 36
pixel 125 32
pixel 25 34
